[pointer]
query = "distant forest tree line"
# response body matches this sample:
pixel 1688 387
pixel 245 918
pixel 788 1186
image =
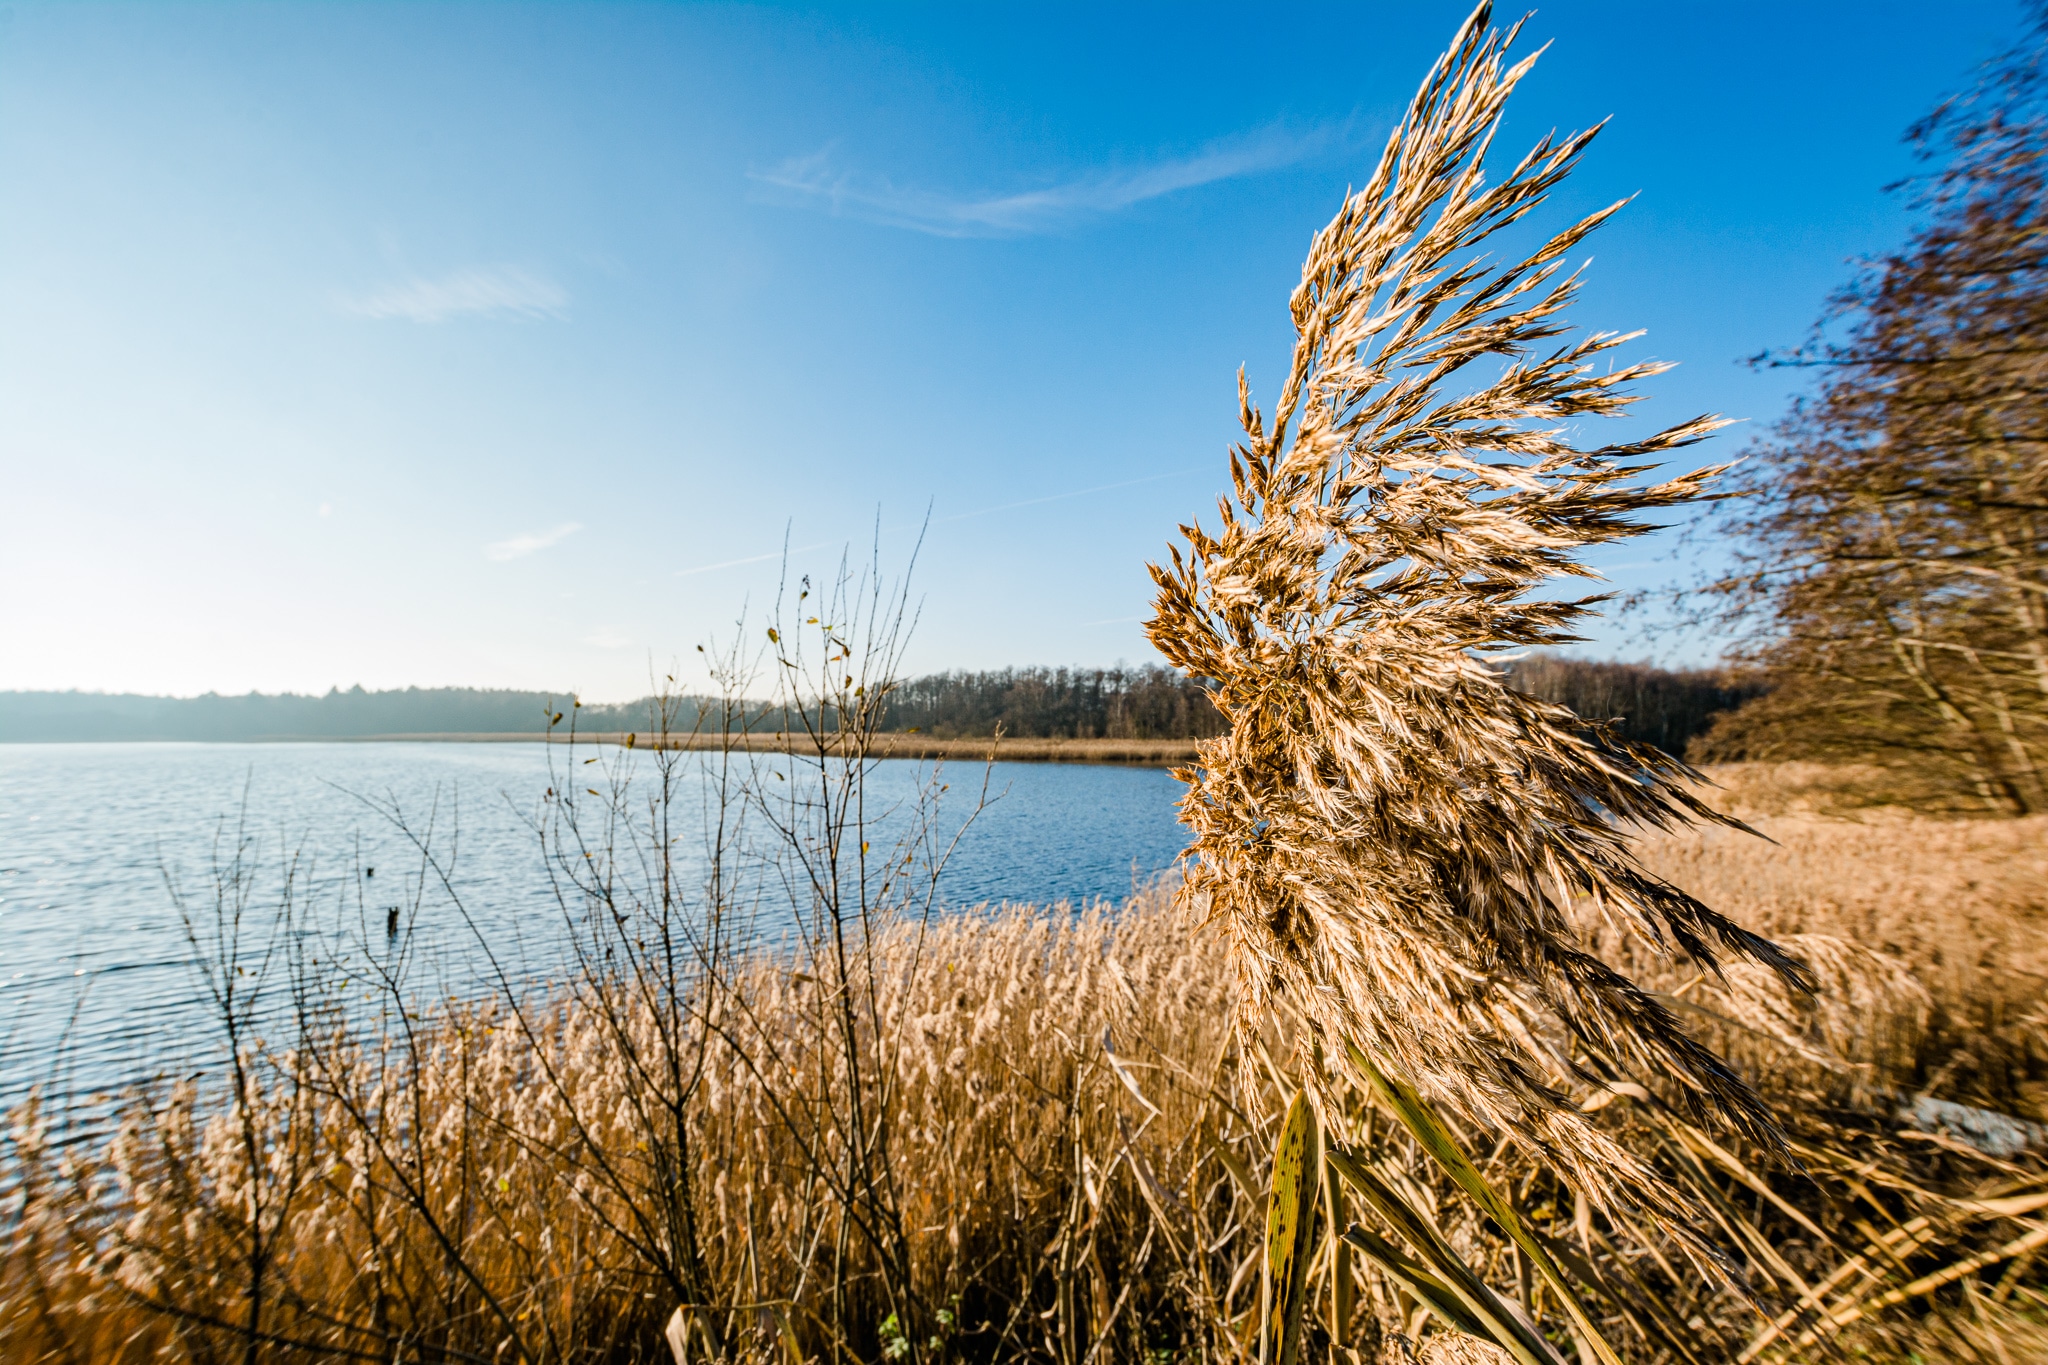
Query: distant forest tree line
pixel 1663 707
pixel 340 714
pixel 1149 702
pixel 1660 706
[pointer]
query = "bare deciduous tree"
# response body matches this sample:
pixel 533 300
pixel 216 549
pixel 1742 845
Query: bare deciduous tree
pixel 1895 570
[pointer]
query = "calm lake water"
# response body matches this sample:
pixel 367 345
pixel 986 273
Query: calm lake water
pixel 99 844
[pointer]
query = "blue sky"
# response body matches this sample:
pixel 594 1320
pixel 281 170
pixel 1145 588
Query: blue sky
pixel 503 345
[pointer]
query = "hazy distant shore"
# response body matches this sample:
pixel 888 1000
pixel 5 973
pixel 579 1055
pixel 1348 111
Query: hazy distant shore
pixel 1142 752
pixel 1154 752
pixel 1143 715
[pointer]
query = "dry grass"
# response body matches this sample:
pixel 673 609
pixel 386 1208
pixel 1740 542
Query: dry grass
pixel 1077 1139
pixel 449 1205
pixel 1156 753
pixel 1152 753
pixel 1961 903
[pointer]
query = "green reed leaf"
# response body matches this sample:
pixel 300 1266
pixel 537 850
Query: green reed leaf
pixel 1435 1138
pixel 1483 1309
pixel 1290 1229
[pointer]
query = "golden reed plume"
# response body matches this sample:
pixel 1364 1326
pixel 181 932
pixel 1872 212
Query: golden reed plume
pixel 1394 842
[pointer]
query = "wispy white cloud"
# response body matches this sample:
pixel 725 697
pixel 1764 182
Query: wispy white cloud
pixel 519 546
pixel 477 291
pixel 817 181
pixel 604 637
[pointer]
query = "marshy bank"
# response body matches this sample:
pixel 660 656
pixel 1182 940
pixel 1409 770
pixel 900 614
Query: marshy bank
pixel 97 981
pixel 1031 1137
pixel 1148 753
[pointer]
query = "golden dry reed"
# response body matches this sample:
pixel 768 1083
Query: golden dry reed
pixel 426 1193
pixel 1961 904
pixel 1080 1168
pixel 1392 841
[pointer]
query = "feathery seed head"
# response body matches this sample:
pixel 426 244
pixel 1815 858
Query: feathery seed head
pixel 1390 838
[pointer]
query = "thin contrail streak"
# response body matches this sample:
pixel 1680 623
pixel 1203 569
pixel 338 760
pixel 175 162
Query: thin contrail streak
pixel 755 559
pixel 1062 497
pixel 940 521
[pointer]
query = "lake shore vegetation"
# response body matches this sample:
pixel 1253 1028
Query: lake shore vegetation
pixel 1081 1146
pixel 1473 1028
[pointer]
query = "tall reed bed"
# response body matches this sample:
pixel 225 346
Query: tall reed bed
pixel 1957 904
pixel 1079 1147
pixel 423 1188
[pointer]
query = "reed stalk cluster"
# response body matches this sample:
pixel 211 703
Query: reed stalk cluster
pixel 1080 1139
pixel 1393 840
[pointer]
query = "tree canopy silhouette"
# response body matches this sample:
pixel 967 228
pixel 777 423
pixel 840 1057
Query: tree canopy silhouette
pixel 1894 579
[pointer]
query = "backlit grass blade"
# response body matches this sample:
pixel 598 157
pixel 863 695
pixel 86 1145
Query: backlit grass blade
pixel 1436 1139
pixel 1343 1288
pixel 1494 1319
pixel 1290 1229
pixel 1414 1277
